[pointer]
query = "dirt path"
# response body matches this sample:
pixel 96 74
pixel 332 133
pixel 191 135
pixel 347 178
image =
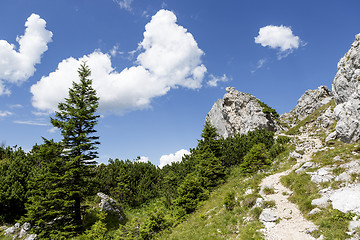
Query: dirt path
pixel 292 224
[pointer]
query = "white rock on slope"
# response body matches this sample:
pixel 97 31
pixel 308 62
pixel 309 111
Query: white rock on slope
pixel 308 103
pixel 239 113
pixel 346 90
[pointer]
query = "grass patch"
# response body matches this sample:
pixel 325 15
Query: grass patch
pixel 213 221
pixel 268 190
pixel 304 191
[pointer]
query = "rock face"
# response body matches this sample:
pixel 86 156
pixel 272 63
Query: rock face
pixel 239 113
pixel 109 205
pixel 20 232
pixel 346 89
pixel 308 103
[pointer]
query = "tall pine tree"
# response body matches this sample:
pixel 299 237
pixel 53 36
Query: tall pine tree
pixel 76 120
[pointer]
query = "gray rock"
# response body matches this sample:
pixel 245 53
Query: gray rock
pixel 239 113
pixel 353 226
pixel 311 230
pixel 346 89
pixel 13 229
pixel 308 103
pixel 31 237
pixel 315 211
pixel 322 202
pixel 331 136
pixel 24 229
pixel 109 205
pixel 268 216
pixel 259 203
pixel 347 199
pixel 343 177
pixel 304 167
pixel 295 155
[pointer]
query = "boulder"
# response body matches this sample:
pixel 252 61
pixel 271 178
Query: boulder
pixel 239 113
pixel 347 199
pixel 322 202
pixel 268 216
pixel 109 205
pixel 346 90
pixel 314 211
pixel 295 155
pixel 304 167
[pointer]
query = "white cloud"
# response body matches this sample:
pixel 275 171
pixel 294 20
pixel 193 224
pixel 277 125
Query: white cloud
pixel 18 66
pixel 143 159
pixel 31 122
pixel 3 89
pixel 5 113
pixel 115 51
pixel 169 58
pixel 278 37
pixel 169 159
pixel 125 4
pixel 16 106
pixel 259 64
pixel 52 130
pixel 213 82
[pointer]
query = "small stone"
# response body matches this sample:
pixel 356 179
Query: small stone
pixel 268 216
pixel 314 211
pixel 295 155
pixel 322 202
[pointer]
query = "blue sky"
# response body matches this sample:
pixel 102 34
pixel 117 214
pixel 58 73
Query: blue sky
pixel 159 66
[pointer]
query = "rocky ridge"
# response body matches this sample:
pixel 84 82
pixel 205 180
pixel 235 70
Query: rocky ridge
pixel 307 104
pixel 239 113
pixel 346 90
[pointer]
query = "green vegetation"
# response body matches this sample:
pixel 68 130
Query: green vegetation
pixel 268 110
pixel 311 118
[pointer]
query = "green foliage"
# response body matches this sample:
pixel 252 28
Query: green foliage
pixel 283 139
pixel 256 158
pixel 268 110
pixel 15 166
pixel 190 193
pixel 131 183
pixel 98 230
pixel 235 148
pixel 210 168
pixel 304 190
pixel 229 201
pixel 76 120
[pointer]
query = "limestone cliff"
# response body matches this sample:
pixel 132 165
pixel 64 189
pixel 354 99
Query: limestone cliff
pixel 239 113
pixel 346 89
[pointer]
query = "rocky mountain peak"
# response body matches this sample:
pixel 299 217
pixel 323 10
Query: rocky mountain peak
pixel 346 89
pixel 307 104
pixel 346 83
pixel 239 113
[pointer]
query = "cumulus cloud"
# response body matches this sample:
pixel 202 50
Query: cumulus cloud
pixel 278 37
pixel 213 82
pixel 169 159
pixel 169 58
pixel 143 159
pixel 16 66
pixel 5 113
pixel 125 4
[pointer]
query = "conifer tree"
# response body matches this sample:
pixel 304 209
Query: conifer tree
pixel 76 120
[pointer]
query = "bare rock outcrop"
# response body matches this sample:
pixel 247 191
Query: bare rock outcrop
pixel 239 113
pixel 307 104
pixel 346 89
pixel 109 205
